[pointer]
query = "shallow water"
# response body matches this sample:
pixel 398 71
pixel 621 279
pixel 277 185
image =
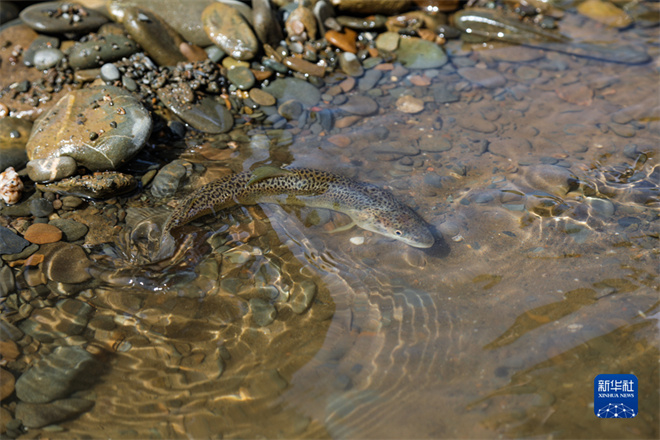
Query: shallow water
pixel 545 191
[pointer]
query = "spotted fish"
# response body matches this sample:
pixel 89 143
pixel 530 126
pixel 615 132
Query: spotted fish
pixel 370 207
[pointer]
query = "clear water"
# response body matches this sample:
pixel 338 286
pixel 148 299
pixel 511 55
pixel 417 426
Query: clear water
pixel 547 274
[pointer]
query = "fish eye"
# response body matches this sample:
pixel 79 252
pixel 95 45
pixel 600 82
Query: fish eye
pixel 398 233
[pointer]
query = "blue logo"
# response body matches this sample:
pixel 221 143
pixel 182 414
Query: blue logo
pixel 615 396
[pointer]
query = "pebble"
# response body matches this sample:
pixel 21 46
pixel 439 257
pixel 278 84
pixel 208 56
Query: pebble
pixel 345 41
pixel 340 140
pixel 57 375
pixel 214 53
pixel 601 207
pixel 110 73
pixel 262 97
pixel 302 295
pixel 434 143
pixel 350 64
pixel 96 144
pixel 101 49
pixel 290 109
pixel 241 77
pixel 207 114
pixel 415 53
pixel 265 23
pixel 42 233
pixel 226 28
pixel 477 123
pixel 388 41
pixel 7 285
pixel 360 105
pixel 7 382
pixel 45 18
pixel 10 242
pixel 71 229
pixel 158 39
pixel 369 80
pixel 487 78
pixel 41 207
pixel 604 12
pixel 47 58
pixel 14 133
pixel 300 65
pixel 294 88
pixel 263 313
pixel 51 169
pixel 192 52
pixel 510 147
pixel 39 43
pixel 169 178
pixel 576 93
pixel 36 415
pixel 551 179
pixel 409 104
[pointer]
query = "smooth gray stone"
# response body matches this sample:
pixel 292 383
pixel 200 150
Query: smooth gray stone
pixel 57 375
pixel 36 415
pixel 71 229
pixel 41 207
pixel 102 49
pixel 10 242
pixel 47 58
pixel 41 42
pixel 293 88
pixel 207 115
pixel 50 17
pixel 51 169
pixel 360 105
pixel 109 72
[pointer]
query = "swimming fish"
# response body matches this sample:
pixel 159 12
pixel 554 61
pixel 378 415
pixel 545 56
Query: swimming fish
pixel 368 206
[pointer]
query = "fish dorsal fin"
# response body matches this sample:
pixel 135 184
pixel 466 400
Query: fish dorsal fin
pixel 266 172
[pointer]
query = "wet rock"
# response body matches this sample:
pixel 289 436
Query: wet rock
pixel 551 179
pixel 192 52
pixel 41 207
pixel 110 73
pixel 49 170
pixel 290 109
pixel 71 229
pixel 604 12
pixel 157 38
pixel 388 41
pixel 409 104
pixel 415 53
pixel 302 295
pixel 168 179
pixel 7 281
pixel 207 114
pixel 114 128
pixel 47 58
pixel 241 77
pixel 215 54
pixel 294 88
pixel 182 16
pixel 8 12
pixel 266 24
pixel 323 11
pixel 10 242
pixel 300 65
pixel 263 313
pixel 369 80
pixel 346 41
pixel 360 105
pixel 97 186
pixel 350 64
pixel 262 97
pixel 434 143
pixel 601 207
pixel 226 28
pixel 35 415
pixel 511 148
pixel 11 186
pixel 101 49
pixel 39 43
pixel 6 419
pixel 61 17
pixel 14 134
pixel 57 375
pixel 487 78
pixel 68 318
pixel 42 233
pixel 7 382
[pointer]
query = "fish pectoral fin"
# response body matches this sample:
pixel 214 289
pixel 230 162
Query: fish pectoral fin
pixel 266 172
pixel 343 228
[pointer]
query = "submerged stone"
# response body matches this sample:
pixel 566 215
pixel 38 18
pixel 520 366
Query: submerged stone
pixel 14 134
pixel 415 53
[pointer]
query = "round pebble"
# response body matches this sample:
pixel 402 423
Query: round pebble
pixel 350 64
pixel 65 263
pixel 214 53
pixel 294 88
pixel 227 29
pixel 109 72
pixel 51 169
pixel 241 77
pixel 262 97
pixel 416 53
pixel 47 58
pixel 409 104
pixel 42 233
pixel 71 229
pixel 360 105
pixel 290 109
pixel 41 207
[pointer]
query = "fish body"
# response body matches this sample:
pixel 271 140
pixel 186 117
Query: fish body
pixel 369 206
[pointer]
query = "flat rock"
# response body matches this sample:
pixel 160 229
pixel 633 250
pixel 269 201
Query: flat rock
pixel 62 17
pixel 226 28
pixel 360 105
pixel 51 169
pixel 100 127
pixel 293 88
pixel 487 78
pixel 100 49
pixel 10 242
pixel 415 53
pixel 35 415
pixel 42 233
pixel 71 229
